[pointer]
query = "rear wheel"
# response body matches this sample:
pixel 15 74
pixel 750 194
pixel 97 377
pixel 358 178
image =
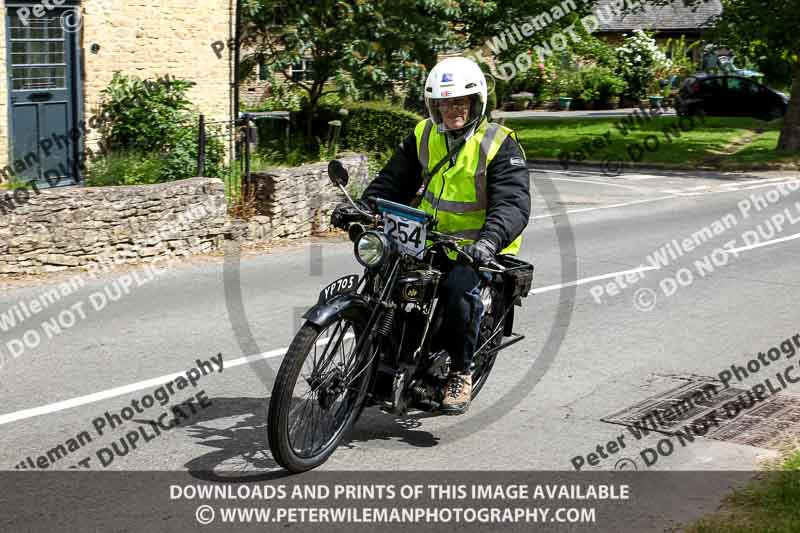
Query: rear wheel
pixel 319 392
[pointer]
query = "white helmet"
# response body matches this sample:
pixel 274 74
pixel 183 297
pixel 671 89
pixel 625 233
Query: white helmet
pixel 453 78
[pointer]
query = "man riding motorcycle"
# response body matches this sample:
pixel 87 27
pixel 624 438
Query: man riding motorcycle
pixel 471 175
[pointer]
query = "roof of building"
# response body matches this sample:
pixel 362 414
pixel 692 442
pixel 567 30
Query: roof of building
pixel 675 16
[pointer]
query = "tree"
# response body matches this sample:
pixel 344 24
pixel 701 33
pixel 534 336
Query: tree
pixel 353 44
pixel 769 26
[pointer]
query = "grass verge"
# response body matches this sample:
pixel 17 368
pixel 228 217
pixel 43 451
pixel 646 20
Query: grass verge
pixel 670 142
pixel 769 504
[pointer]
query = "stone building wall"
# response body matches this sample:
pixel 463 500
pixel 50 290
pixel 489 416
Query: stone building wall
pixel 56 229
pixel 149 39
pixel 3 99
pixel 253 91
pixel 152 38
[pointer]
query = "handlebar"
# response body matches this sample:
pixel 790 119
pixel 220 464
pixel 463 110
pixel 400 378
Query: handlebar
pixel 356 218
pixel 450 242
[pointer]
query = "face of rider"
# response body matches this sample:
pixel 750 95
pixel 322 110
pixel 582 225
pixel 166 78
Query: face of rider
pixel 455 111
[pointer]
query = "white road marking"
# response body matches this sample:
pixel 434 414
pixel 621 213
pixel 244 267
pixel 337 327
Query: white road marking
pixel 729 187
pixel 639 177
pixel 765 243
pixel 612 206
pixel 761 186
pixel 760 181
pixel 133 387
pixel 603 183
pixel 584 281
pixel 567 172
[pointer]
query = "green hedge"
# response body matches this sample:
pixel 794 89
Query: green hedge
pixel 377 126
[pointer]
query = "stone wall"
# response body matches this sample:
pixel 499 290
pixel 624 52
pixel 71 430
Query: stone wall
pixel 297 202
pixel 48 230
pixel 56 229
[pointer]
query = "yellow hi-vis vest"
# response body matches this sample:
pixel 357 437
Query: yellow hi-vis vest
pixel 462 206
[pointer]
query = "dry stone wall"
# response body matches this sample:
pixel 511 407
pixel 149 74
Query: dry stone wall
pixel 48 230
pixel 297 202
pixel 57 229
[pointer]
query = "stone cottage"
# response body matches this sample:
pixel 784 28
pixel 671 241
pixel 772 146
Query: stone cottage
pixel 58 55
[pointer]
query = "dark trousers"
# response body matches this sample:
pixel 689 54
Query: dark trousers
pixel 462 312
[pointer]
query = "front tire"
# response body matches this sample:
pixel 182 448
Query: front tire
pixel 319 392
pixel 483 363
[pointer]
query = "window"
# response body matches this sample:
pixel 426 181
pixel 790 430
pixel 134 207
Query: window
pixel 713 87
pixel 302 70
pixel 262 71
pixel 37 54
pixel 742 86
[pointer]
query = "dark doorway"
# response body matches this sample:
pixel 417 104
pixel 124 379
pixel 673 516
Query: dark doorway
pixel 42 82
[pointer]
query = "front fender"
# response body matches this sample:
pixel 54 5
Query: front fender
pixel 321 314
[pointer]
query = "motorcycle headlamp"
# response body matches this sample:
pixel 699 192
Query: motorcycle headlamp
pixel 371 249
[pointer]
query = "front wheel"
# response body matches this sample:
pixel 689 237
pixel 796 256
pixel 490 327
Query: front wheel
pixel 482 362
pixel 319 392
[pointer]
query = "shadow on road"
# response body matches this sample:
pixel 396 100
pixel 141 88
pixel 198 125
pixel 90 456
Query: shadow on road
pixel 236 431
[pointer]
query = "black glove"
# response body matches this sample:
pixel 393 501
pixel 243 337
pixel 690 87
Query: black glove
pixel 345 213
pixel 366 204
pixel 342 214
pixel 481 251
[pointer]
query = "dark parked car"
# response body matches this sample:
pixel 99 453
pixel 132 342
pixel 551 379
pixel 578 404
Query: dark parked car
pixel 729 96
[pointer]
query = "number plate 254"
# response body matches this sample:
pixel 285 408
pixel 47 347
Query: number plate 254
pixel 408 233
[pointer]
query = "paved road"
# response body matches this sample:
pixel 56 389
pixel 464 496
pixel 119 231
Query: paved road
pixel 613 354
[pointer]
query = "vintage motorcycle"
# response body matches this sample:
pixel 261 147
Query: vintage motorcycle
pixel 376 339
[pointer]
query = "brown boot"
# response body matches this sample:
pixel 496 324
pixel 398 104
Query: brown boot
pixel 457 394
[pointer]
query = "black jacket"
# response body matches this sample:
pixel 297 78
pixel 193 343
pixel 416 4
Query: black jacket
pixel 507 187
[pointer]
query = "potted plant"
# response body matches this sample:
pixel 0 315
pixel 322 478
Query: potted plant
pixel 572 91
pixel 589 96
pixel 666 93
pixel 654 94
pixel 601 87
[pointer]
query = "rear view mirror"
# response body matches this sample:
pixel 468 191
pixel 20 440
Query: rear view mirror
pixel 337 173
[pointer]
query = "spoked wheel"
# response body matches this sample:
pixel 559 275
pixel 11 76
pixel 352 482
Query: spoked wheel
pixel 318 393
pixel 483 362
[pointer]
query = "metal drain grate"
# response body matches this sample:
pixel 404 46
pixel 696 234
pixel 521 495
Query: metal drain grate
pixel 760 425
pixel 668 412
pixel 698 397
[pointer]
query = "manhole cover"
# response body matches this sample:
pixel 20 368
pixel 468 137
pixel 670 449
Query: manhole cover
pixel 696 398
